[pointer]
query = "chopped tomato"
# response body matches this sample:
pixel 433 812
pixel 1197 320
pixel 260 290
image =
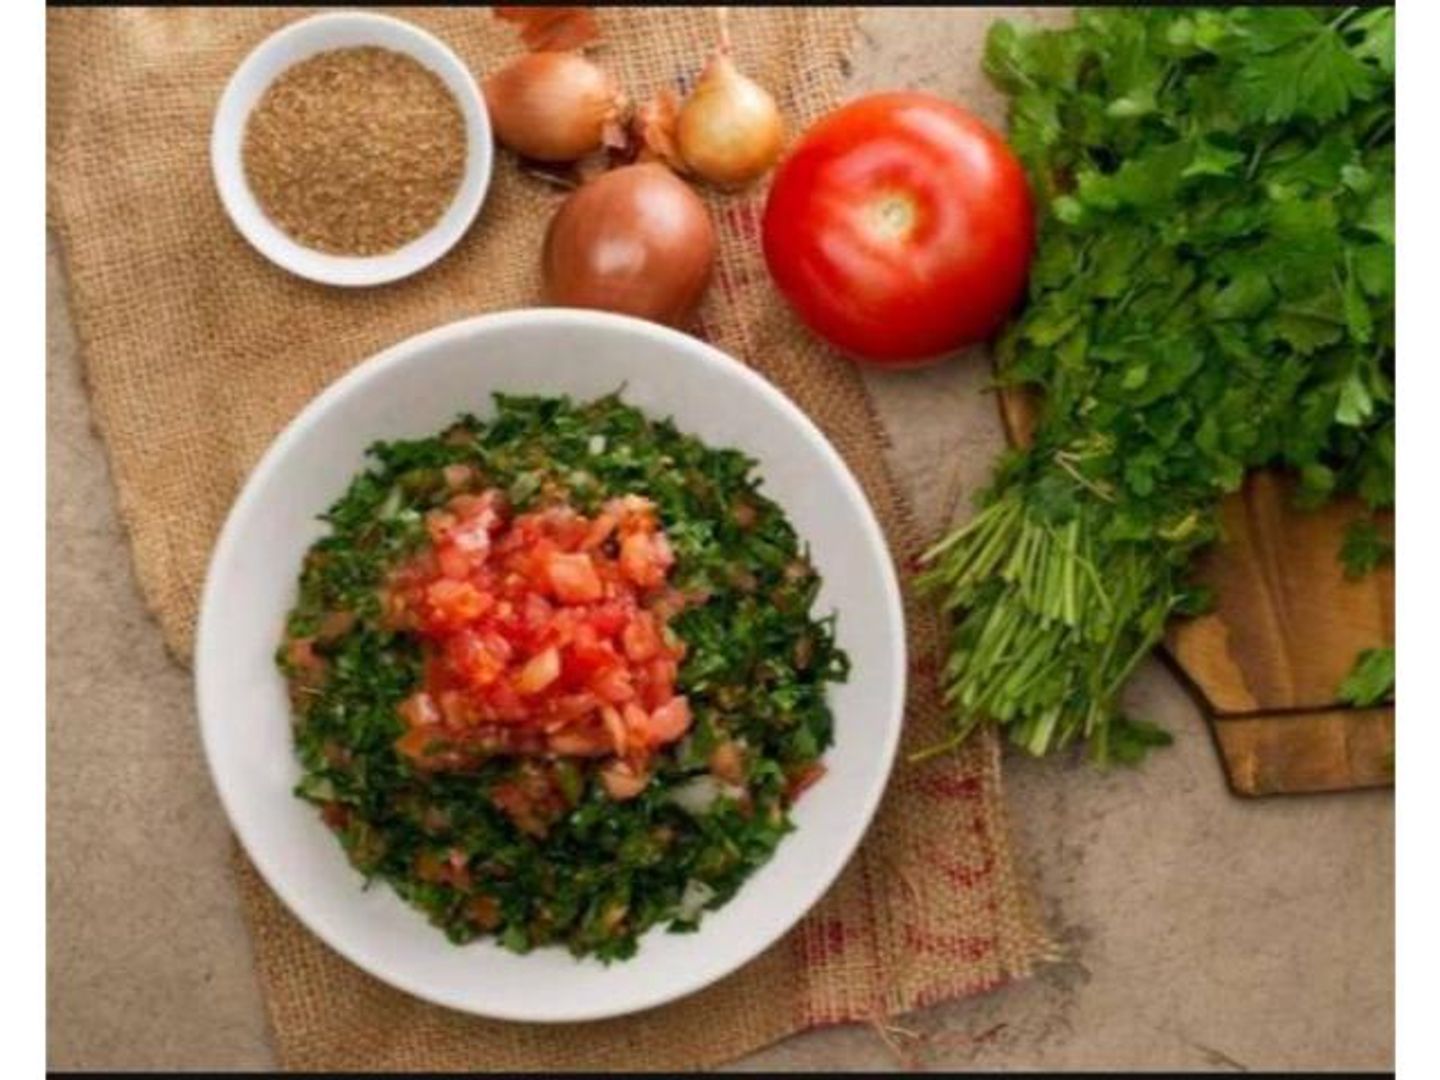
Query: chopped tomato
pixel 420 710
pixel 427 746
pixel 587 657
pixel 455 603
pixel 636 722
pixel 640 639
pixel 302 653
pixel 641 561
pixel 539 671
pixel 622 781
pixel 429 867
pixel 615 728
pixel 544 633
pixel 457 476
pixel 536 615
pixel 534 798
pixel 601 530
pixel 658 681
pixel 456 709
pixel 469 655
pixel 335 814
pixel 727 762
pixel 614 685
pixel 576 741
pixel 574 579
pixel 669 722
pixel 610 619
pixel 309 666
pixel 336 625
pixel 484 911
pixel 439 523
pixel 803 779
pixel 454 563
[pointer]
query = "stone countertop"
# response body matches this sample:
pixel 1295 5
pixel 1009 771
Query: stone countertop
pixel 1201 930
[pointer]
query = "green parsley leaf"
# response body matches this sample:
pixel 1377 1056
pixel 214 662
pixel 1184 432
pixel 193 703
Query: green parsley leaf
pixel 1372 679
pixel 1364 548
pixel 1319 79
pixel 1378 41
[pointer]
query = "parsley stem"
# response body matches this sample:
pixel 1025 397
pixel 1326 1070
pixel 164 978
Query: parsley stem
pixel 1384 129
pixel 1261 149
pixel 1338 23
pixel 1171 70
pixel 918 756
pixel 1064 461
pixel 1317 314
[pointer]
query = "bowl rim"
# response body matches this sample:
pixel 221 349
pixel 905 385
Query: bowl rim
pixel 351 271
pixel 865 807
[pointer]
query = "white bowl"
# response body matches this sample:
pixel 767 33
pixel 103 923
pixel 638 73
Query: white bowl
pixel 296 42
pixel 413 390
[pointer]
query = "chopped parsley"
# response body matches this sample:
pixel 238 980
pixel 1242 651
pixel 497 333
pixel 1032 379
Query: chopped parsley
pixel 755 673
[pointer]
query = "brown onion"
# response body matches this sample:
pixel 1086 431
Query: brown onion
pixel 636 240
pixel 553 106
pixel 729 131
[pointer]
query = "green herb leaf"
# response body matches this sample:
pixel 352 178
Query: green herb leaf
pixel 1372 679
pixel 1310 75
pixel 1364 548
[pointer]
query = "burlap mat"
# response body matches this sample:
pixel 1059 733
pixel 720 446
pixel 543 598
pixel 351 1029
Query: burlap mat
pixel 198 352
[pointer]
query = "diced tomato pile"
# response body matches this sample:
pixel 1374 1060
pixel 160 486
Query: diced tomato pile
pixel 545 633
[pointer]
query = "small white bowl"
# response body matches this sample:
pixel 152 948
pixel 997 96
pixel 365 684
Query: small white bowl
pixel 296 42
pixel 413 390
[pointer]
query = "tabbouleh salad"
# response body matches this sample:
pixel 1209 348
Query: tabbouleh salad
pixel 555 675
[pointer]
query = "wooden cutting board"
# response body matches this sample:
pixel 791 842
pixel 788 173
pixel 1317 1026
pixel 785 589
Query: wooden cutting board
pixel 1284 632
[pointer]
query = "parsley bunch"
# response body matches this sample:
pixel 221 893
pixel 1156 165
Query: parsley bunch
pixel 1213 292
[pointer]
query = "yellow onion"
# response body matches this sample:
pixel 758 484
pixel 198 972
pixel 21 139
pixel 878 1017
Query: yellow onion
pixel 636 240
pixel 729 130
pixel 553 106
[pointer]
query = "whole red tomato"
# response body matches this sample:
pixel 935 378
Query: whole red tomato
pixel 900 228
